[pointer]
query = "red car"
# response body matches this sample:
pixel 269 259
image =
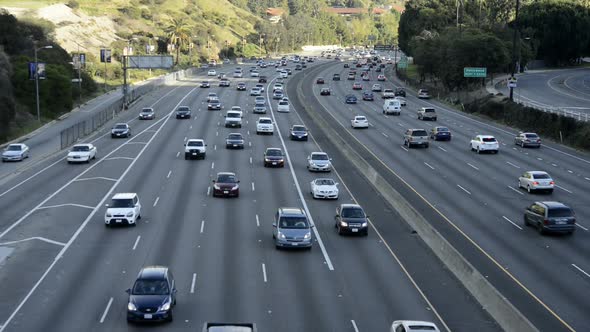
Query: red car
pixel 357 86
pixel 226 184
pixel 320 80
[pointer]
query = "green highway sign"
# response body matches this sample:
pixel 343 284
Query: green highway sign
pixel 402 64
pixel 475 72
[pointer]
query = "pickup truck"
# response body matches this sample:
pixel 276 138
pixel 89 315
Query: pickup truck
pixel 195 148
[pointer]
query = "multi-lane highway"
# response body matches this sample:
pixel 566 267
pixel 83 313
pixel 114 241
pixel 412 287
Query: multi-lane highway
pixel 63 270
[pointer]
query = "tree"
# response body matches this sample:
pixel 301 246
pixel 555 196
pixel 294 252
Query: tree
pixel 179 34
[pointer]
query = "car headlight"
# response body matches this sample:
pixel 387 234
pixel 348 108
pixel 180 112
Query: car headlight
pixel 343 224
pixel 216 187
pixel 364 224
pixel 266 159
pixel 129 214
pixel 109 215
pixel 307 236
pixel 131 307
pixel 234 187
pixel 281 236
pixel 165 306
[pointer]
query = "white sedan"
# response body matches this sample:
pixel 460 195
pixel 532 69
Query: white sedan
pixel 81 153
pixel 324 188
pixel 536 181
pixel 211 72
pixel 482 143
pixel 360 121
pixel 283 106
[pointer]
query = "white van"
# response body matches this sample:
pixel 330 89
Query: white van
pixel 392 106
pixel 233 119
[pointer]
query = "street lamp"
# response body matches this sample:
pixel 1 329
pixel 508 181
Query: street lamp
pixel 37 78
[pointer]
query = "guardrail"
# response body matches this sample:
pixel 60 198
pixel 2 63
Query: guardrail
pixel 563 111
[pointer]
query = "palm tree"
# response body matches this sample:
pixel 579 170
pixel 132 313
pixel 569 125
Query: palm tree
pixel 179 32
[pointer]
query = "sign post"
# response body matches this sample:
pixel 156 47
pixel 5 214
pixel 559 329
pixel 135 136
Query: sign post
pixel 105 56
pixel 512 82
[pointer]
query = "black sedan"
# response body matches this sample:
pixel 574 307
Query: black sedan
pixel 262 79
pixel 241 87
pixel 234 141
pixel 183 112
pixel 226 184
pixel 325 92
pixel 350 99
pixel 368 95
pixel 319 80
pixel 400 92
pixel 351 219
pixel 153 295
pixel 273 157
pixel 298 133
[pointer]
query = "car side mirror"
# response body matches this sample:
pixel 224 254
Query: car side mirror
pixel 274 224
pixel 205 144
pixel 213 181
pixel 337 215
pixel 128 291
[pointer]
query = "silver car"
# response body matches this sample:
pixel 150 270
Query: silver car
pixel 536 181
pixel 319 162
pixel 291 229
pixel 15 152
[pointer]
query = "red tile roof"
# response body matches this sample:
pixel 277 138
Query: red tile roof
pixel 274 11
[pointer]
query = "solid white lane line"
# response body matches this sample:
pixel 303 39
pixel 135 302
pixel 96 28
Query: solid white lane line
pixel 156 201
pixel 582 227
pixel 250 160
pixel 169 172
pixel 97 178
pixel 516 190
pixel 264 272
pixel 384 134
pixel 579 269
pixel 106 310
pixel 212 165
pixel 562 188
pixel 465 190
pixel 511 164
pixel 177 154
pixel 356 329
pixel 425 163
pixel 136 242
pixel 587 179
pixel 62 205
pixel 193 283
pixel 554 165
pixel 442 148
pixel 252 186
pixel 473 166
pixel 257 221
pixel 202 225
pixel 29 178
pixel 510 221
pixel 118 158
pixel 208 190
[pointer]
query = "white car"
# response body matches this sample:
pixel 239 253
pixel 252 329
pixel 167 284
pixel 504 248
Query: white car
pixel 15 152
pixel 388 93
pixel 259 100
pixel 254 73
pixel 238 74
pixel 277 86
pixel 402 100
pixel 324 188
pixel 81 153
pixel 211 96
pixel 260 86
pixel 412 325
pixel 283 106
pixel 264 125
pixel 124 209
pixel 319 162
pixel 536 181
pixel 359 121
pixel 238 109
pixel 211 72
pixel 195 148
pixel 255 92
pixel 376 88
pixel 482 143
pixel 423 94
pixel 284 74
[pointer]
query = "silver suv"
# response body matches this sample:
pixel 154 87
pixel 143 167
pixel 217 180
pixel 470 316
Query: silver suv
pixel 291 229
pixel 416 137
pixel 427 113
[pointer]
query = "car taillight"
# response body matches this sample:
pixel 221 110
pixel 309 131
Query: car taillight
pixel 535 183
pixel 552 182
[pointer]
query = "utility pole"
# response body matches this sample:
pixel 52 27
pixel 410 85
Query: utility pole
pixel 37 77
pixel 514 58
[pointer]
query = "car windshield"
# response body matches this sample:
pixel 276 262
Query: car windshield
pixel 274 152
pixel 265 121
pixel 442 129
pixel 260 106
pixel 423 91
pixel 541 176
pixel 226 178
pixel 298 128
pixel 13 148
pixel 234 136
pixel 560 212
pixel 146 110
pixel 195 143
pixel 122 203
pixel 353 213
pixel 120 126
pixel 319 157
pixel 293 222
pixel 183 109
pixel 233 115
pixel 150 287
pixel 324 182
pixel 81 148
pixel 488 139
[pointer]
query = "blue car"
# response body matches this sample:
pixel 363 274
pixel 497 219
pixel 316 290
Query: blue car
pixel 368 96
pixel 440 134
pixel 351 99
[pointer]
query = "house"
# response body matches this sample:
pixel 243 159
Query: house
pixel 274 14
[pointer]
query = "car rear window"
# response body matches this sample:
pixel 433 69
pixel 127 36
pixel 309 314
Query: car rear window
pixel 81 148
pixel 532 136
pixel 541 176
pixel 443 129
pixel 488 139
pixel 419 133
pixel 560 212
pixel 429 110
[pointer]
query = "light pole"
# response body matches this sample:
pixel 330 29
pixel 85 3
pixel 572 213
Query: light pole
pixel 514 58
pixel 37 78
pixel 79 64
pixel 259 45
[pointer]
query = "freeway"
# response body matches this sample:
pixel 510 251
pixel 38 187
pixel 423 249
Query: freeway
pixel 474 200
pixel 63 270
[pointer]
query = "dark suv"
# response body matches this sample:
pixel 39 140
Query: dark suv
pixel 153 295
pixel 350 218
pixel 550 217
pixel 400 92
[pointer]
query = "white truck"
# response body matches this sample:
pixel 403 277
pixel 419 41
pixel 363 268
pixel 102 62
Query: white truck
pixel 392 106
pixel 195 148
pixel 233 119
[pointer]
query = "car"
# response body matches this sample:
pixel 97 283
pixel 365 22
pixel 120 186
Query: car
pixel 214 105
pixel 381 77
pixel 273 157
pixel 81 153
pixel 336 77
pixel 440 133
pixel 234 141
pixel 147 113
pixel 319 162
pixel 211 72
pixel 357 86
pixel 378 69
pixel 15 152
pixel 259 108
pixel 527 139
pixel 536 181
pixel 359 121
pixel 289 71
pixel 241 86
pixel 365 77
pixel 221 75
pixel 298 67
pixel 260 100
pixel 124 208
pixel 119 130
pixel 262 79
pixel 205 84
pixel 195 148
pixel 346 65
pixel 183 112
pixel 285 98
pixel 351 218
pixel 291 229
pixel 255 91
pixel 233 119
pixel 416 137
pixel 550 217
pixel 283 106
pixel 376 87
pixel 224 82
pixel 350 99
pixel 260 86
pixel 413 326
pixel 211 96
pixel 254 73
pixel 319 80
pixel 351 76
pixel 264 125
pixel 153 295
pixel 237 109
pixel 226 184
pixel 392 106
pixel 324 188
pixel 283 74
pixel 277 86
pixel 402 100
pixel 423 94
pixel 277 94
pixel 204 66
pixel 427 113
pixel 238 74
pixel 400 92
pixel 368 95
pixel 325 92
pixel 482 143
pixel 387 94
pixel 298 133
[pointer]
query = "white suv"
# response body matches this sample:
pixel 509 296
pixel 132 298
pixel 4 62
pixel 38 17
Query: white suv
pixel 264 125
pixel 483 143
pixel 195 148
pixel 233 119
pixel 124 209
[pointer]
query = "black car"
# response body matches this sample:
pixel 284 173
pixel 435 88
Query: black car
pixel 368 95
pixel 234 141
pixel 319 80
pixel 205 84
pixel 147 114
pixel 273 157
pixel 346 65
pixel 241 87
pixel 262 79
pixel 350 218
pixel 120 130
pixel 226 184
pixel 298 133
pixel 183 112
pixel 400 92
pixel 153 295
pixel 336 77
pixel 325 92
pixel 350 99
pixel 378 69
pixel 214 104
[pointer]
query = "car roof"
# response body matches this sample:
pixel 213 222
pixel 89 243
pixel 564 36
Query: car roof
pixel 226 173
pixel 195 140
pixel 121 123
pixel 153 272
pixel 537 172
pixel 322 179
pixel 344 206
pixel 234 134
pixel 291 211
pixel 84 144
pixel 269 149
pixel 147 109
pixel 264 118
pixel 552 204
pixel 124 196
pixel 408 323
pixel 485 136
pixel 319 153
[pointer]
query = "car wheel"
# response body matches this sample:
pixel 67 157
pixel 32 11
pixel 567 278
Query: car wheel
pixel 478 150
pixel 138 216
pixel 366 233
pixel 185 157
pixel 107 225
pixel 540 228
pixel 528 188
pixel 170 317
pixel 134 224
pixel 434 119
pixel 339 230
